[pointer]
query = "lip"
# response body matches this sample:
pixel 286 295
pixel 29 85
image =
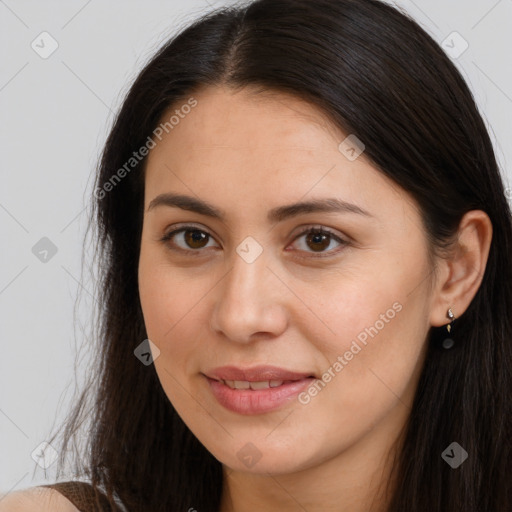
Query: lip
pixel 249 401
pixel 255 373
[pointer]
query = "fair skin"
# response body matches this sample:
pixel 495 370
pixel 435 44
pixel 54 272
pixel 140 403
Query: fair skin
pixel 34 499
pixel 246 154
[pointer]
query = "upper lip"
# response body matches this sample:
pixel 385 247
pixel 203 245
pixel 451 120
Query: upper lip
pixel 255 374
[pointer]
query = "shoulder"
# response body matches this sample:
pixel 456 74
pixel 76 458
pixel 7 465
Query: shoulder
pixel 32 499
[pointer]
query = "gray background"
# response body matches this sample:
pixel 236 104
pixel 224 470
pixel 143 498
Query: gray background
pixel 55 114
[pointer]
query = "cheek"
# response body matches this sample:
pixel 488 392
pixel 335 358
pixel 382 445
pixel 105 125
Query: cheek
pixel 171 306
pixel 375 337
pixel 169 316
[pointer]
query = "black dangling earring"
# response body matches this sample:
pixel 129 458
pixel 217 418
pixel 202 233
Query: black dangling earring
pixel 448 342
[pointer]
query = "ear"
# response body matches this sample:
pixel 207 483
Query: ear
pixel 460 274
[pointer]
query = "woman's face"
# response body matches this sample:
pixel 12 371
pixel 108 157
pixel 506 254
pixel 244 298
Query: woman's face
pixel 345 311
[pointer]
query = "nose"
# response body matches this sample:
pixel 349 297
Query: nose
pixel 251 302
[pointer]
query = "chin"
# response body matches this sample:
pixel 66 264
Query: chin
pixel 260 457
pixel 275 466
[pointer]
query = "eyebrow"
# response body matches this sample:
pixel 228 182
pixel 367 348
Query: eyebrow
pixel 277 214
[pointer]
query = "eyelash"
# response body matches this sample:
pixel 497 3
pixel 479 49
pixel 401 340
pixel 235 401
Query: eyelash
pixel 316 230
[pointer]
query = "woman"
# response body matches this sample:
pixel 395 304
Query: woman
pixel 306 271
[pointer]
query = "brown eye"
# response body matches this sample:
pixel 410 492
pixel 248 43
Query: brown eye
pixel 187 239
pixel 318 241
pixel 195 239
pixel 190 239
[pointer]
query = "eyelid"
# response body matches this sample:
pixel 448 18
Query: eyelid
pixel 342 240
pixel 179 228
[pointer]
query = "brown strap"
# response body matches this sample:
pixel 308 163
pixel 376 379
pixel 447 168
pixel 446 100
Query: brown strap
pixel 82 495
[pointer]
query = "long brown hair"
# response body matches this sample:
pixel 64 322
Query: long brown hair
pixel 377 75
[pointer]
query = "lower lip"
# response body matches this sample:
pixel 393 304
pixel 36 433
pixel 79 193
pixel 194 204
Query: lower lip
pixel 249 401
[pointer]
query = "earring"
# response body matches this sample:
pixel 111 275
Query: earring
pixel 448 342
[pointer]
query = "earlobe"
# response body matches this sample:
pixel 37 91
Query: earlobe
pixel 465 268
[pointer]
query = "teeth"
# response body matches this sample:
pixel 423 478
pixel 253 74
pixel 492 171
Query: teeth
pixel 244 384
pixel 260 385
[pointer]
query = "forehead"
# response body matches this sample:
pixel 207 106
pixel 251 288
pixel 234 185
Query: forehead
pixel 265 148
pixel 249 119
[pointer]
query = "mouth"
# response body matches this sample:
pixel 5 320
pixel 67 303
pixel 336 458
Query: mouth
pixel 256 374
pixel 256 390
pixel 254 385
